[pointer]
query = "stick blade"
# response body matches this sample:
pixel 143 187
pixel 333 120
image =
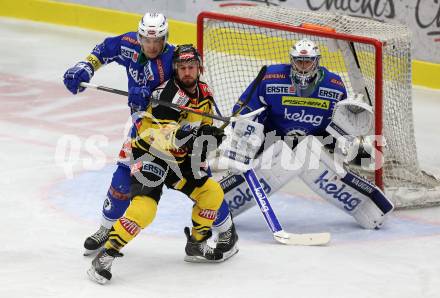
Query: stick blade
pixel 302 239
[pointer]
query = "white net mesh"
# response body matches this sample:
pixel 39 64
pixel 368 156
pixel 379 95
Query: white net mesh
pixel 234 52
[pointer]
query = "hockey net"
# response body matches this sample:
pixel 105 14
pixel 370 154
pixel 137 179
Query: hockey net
pixel 371 57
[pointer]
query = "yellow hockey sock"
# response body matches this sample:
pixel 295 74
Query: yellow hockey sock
pixel 140 214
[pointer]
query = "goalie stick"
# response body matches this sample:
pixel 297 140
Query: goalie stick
pixel 272 221
pixel 261 197
pixel 227 120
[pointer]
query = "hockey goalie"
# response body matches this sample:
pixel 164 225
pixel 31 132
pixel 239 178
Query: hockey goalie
pixel 308 130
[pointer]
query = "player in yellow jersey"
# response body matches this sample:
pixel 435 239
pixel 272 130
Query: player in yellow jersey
pixel 168 149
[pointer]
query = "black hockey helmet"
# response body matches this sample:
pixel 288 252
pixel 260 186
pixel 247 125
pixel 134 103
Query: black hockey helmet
pixel 186 53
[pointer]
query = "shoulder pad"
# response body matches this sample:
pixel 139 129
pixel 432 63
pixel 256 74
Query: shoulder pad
pixel 277 71
pixel 206 90
pixel 130 37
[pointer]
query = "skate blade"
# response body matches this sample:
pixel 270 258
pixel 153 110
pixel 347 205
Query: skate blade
pixel 94 276
pixel 199 259
pixel 230 253
pixel 89 252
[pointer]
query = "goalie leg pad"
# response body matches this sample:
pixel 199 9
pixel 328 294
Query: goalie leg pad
pixel 272 176
pixel 348 191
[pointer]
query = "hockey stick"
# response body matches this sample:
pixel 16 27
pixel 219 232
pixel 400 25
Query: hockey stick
pixel 359 72
pixel 272 221
pixel 261 197
pixel 227 120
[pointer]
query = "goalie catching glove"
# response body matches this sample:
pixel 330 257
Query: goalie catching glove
pixel 351 118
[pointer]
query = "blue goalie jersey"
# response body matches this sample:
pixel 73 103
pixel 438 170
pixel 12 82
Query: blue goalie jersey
pixel 126 50
pixel 287 111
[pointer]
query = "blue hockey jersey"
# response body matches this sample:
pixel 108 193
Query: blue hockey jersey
pixel 126 50
pixel 289 113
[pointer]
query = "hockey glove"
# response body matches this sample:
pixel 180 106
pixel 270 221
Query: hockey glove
pixel 196 141
pixel 185 139
pixel 203 144
pixel 210 130
pixel 74 76
pixel 138 98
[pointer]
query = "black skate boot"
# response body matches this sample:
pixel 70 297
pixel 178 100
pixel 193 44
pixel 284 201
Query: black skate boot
pixel 96 241
pixel 100 271
pixel 200 251
pixel 227 242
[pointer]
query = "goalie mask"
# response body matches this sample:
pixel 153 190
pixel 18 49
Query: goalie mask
pixel 153 28
pixel 304 58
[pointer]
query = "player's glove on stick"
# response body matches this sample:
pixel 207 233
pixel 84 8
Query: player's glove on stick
pixel 211 130
pixel 201 140
pixel 74 76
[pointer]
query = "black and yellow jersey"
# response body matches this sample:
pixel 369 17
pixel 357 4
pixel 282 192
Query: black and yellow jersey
pixel 157 127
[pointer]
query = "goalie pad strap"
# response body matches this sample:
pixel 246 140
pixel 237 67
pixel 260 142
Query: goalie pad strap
pixel 370 190
pixel 336 131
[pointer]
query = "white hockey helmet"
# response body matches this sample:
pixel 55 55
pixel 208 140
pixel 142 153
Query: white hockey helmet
pixel 304 58
pixel 153 25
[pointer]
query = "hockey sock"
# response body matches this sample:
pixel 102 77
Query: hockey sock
pixel 118 195
pixel 208 198
pixel 139 215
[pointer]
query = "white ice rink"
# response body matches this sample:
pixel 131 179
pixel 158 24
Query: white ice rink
pixel 47 210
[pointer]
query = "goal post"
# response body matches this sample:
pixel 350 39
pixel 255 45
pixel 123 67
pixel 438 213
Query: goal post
pixel 371 57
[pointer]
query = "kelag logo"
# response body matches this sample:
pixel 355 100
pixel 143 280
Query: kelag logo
pixel 241 194
pixel 302 117
pixel 345 197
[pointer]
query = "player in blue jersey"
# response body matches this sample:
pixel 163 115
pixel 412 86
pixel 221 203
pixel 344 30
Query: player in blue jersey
pixel 305 99
pixel 147 58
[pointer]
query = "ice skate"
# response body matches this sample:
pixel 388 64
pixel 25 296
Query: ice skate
pixel 96 241
pixel 100 271
pixel 227 242
pixel 200 251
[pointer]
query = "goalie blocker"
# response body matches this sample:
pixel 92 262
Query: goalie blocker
pixel 312 162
